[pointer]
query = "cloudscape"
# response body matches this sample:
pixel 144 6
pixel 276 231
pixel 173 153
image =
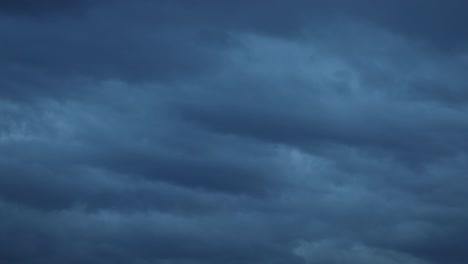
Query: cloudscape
pixel 238 132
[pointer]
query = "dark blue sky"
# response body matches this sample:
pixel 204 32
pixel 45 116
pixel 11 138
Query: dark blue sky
pixel 238 132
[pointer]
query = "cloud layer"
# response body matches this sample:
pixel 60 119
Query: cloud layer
pixel 177 132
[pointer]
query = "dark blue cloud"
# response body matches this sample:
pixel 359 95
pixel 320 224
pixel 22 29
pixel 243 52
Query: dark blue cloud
pixel 184 132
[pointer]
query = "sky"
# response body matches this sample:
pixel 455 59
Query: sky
pixel 237 132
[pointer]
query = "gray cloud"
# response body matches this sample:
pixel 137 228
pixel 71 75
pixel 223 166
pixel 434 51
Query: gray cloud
pixel 182 133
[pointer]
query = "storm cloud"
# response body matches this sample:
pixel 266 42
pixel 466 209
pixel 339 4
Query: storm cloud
pixel 190 132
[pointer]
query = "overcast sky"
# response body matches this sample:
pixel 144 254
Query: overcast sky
pixel 237 132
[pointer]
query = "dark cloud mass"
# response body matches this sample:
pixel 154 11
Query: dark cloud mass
pixel 197 132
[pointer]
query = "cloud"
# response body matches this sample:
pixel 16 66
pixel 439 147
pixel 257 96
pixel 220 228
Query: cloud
pixel 332 252
pixel 43 8
pixel 182 133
